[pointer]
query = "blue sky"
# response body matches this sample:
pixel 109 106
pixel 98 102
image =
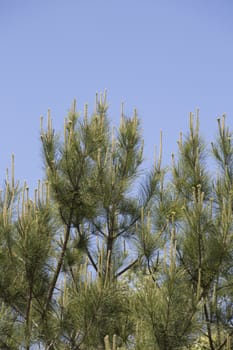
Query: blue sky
pixel 163 57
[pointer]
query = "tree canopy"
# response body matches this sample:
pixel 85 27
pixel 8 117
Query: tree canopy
pixel 109 255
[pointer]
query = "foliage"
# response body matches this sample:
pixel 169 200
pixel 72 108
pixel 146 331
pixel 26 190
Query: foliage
pixel 108 256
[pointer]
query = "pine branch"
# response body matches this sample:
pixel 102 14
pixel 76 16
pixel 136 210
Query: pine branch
pixel 99 229
pixel 91 260
pixel 28 311
pixel 87 250
pixel 221 346
pixel 59 265
pixel 208 327
pixel 127 268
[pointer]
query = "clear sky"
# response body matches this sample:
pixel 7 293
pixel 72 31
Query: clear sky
pixel 164 57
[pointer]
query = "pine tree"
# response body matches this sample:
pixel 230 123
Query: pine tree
pixel 106 255
pixel 189 298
